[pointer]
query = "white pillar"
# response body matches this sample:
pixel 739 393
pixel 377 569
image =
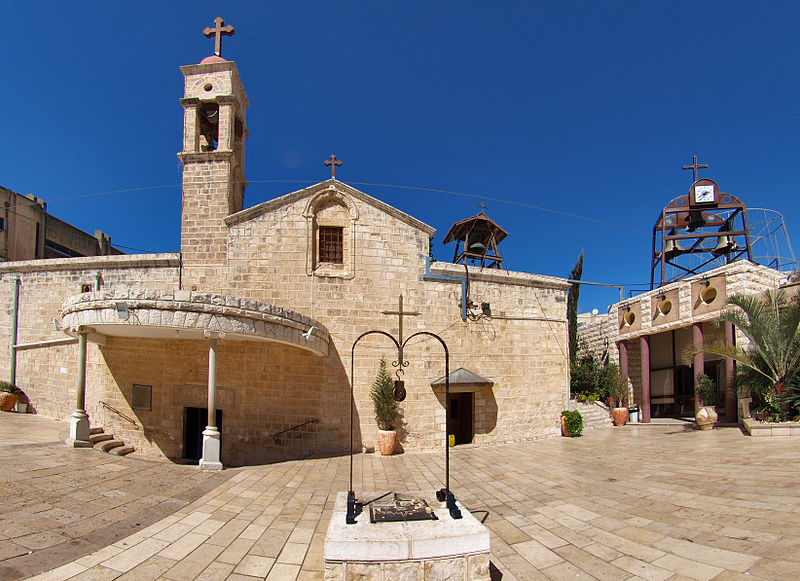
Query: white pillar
pixel 211 442
pixel 79 422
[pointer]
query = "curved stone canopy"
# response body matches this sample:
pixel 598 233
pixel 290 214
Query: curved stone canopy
pixel 166 314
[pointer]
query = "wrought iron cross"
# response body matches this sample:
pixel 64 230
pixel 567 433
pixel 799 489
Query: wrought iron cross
pixel 695 166
pixel 400 312
pixel 482 206
pixel 333 162
pixel 218 32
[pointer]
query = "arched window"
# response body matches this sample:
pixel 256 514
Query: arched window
pixel 331 217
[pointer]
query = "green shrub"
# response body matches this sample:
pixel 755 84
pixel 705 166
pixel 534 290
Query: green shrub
pixel 586 379
pixel 8 388
pixel 573 421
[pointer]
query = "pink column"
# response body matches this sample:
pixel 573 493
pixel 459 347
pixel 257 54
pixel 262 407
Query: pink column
pixel 731 400
pixel 699 359
pixel 622 346
pixel 644 344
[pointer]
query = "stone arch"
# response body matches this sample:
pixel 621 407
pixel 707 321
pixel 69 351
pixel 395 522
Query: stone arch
pixel 335 211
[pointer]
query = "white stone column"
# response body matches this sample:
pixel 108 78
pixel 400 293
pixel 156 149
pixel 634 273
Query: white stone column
pixel 79 422
pixel 211 436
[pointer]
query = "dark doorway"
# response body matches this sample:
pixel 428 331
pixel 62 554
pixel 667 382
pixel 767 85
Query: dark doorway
pixel 460 421
pixel 195 421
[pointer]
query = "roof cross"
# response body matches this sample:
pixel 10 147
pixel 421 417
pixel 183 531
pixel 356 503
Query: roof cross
pixel 482 207
pixel 695 166
pixel 333 162
pixel 400 312
pixel 218 32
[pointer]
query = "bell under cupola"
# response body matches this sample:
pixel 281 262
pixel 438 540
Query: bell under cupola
pixel 477 241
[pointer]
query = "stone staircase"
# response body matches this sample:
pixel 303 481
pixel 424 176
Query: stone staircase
pixel 107 443
pixel 595 414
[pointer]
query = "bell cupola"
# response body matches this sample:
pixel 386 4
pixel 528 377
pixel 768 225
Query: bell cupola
pixel 477 241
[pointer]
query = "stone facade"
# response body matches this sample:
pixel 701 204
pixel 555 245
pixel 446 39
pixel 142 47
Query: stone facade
pixel 149 318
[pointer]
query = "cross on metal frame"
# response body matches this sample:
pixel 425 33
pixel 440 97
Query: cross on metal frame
pixel 482 206
pixel 695 166
pixel 354 506
pixel 218 32
pixel 333 162
pixel 400 312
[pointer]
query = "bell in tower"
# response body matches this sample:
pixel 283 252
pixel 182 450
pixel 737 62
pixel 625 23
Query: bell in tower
pixel 477 241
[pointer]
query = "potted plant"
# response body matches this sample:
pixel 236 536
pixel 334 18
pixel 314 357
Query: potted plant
pixel 386 410
pixel 617 393
pixel 8 396
pixel 571 423
pixel 706 390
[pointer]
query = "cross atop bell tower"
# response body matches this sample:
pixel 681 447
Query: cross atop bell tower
pixel 218 32
pixel 214 132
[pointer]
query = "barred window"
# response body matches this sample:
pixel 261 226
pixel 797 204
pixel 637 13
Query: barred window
pixel 330 244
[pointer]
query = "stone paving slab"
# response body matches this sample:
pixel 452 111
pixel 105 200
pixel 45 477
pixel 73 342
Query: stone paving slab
pixel 636 502
pixel 60 504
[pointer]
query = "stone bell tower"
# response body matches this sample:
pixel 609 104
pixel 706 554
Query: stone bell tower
pixel 214 130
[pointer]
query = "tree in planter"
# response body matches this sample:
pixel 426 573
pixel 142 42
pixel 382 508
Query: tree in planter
pixel 617 386
pixel 386 409
pixel 769 366
pixel 706 391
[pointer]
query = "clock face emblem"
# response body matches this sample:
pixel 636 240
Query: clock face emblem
pixel 703 194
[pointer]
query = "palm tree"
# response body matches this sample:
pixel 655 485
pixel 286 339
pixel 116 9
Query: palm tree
pixel 770 362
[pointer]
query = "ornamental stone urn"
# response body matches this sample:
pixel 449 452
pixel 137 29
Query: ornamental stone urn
pixel 387 440
pixel 620 416
pixel 706 417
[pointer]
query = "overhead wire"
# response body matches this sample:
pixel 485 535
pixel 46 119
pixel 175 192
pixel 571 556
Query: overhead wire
pixel 380 185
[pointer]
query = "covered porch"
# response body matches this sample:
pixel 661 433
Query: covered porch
pixel 167 321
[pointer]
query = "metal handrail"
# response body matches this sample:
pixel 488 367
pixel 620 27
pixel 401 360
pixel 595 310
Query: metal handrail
pixel 276 436
pixel 120 414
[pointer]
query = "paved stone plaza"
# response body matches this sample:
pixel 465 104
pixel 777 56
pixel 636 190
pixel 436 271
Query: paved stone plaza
pixel 651 502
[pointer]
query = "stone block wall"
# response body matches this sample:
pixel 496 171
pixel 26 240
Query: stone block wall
pixel 262 389
pixel 206 191
pixel 269 250
pixel 48 375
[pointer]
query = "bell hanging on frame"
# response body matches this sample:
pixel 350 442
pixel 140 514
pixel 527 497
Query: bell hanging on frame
pixel 399 390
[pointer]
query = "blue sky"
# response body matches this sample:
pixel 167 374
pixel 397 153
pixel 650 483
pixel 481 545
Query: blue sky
pixel 583 108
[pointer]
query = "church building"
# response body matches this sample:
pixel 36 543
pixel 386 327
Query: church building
pixel 238 350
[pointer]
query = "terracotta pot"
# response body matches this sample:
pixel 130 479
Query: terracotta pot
pixel 564 430
pixel 706 417
pixel 387 440
pixel 7 401
pixel 620 416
